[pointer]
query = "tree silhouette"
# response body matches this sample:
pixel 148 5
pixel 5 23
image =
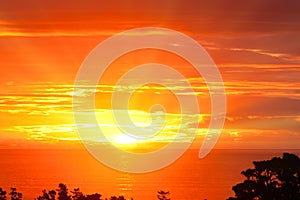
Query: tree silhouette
pixel 77 194
pixel 275 179
pixel 14 195
pixel 52 194
pixel 117 198
pixel 47 196
pixel 95 196
pixel 2 194
pixel 162 195
pixel 62 192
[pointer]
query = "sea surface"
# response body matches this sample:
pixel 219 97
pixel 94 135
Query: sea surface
pixel 212 178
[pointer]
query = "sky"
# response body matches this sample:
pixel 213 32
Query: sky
pixel 255 45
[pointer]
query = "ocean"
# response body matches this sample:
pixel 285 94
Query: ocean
pixel 212 178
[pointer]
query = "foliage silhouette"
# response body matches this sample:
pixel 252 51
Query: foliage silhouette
pixel 95 196
pixel 2 194
pixel 162 195
pixel 275 179
pixel 14 195
pixel 62 192
pixel 117 198
pixel 52 194
pixel 47 196
pixel 76 195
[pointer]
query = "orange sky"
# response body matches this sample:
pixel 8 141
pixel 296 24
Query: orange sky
pixel 255 45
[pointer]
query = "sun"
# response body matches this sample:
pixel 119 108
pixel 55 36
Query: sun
pixel 124 139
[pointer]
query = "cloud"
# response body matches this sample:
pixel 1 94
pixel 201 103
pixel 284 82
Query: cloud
pixel 258 139
pixel 36 102
pixel 71 18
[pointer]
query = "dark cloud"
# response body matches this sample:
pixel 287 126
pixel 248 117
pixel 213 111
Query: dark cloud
pixel 251 105
pixel 290 124
pixel 228 56
pixel 261 73
pixel 196 16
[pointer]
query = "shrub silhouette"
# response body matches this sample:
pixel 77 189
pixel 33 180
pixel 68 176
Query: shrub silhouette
pixel 14 195
pixel 95 196
pixel 162 195
pixel 52 194
pixel 117 198
pixel 78 195
pixel 2 194
pixel 275 179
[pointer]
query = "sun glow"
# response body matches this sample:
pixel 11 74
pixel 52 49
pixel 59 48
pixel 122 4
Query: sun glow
pixel 124 139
